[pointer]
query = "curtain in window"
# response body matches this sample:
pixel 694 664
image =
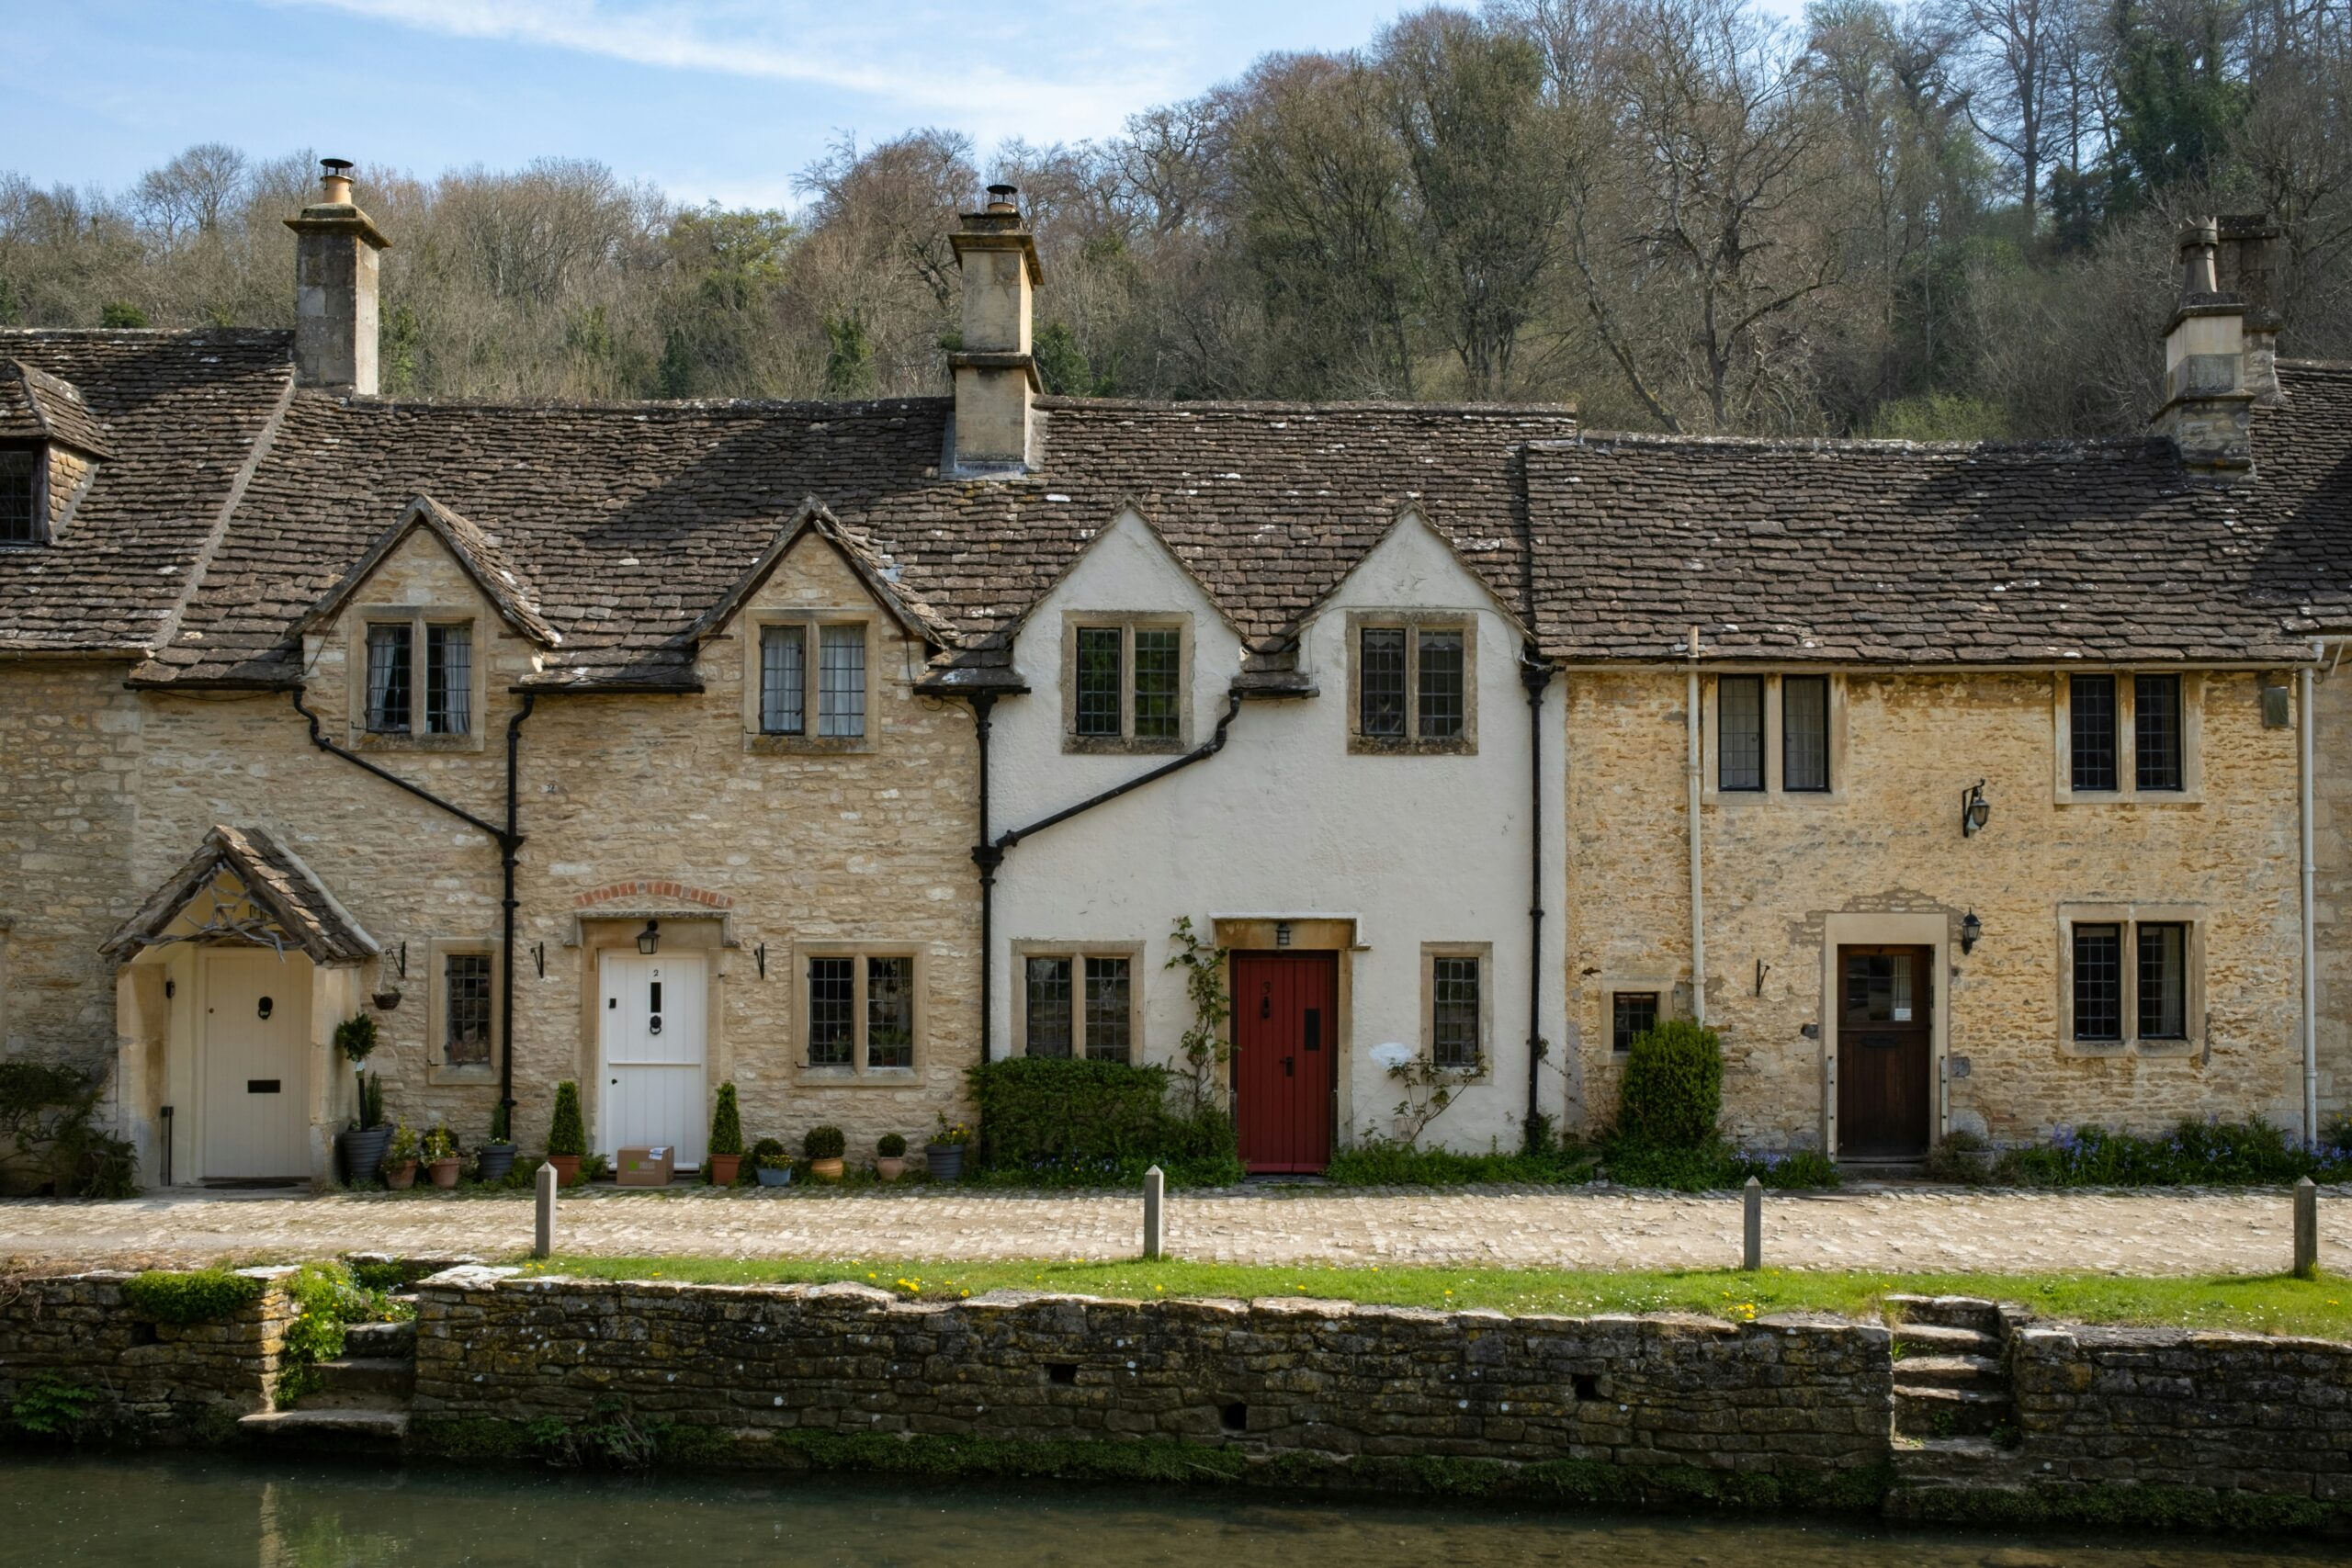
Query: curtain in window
pixel 2091 731
pixel 1098 680
pixel 1156 679
pixel 2155 731
pixel 1108 1036
pixel 1805 732
pixel 889 1013
pixel 1380 682
pixel 1739 732
pixel 784 676
pixel 448 679
pixel 841 680
pixel 1439 702
pixel 1047 1006
pixel 388 679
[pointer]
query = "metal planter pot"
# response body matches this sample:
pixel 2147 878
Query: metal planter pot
pixel 775 1175
pixel 493 1161
pixel 945 1160
pixel 363 1154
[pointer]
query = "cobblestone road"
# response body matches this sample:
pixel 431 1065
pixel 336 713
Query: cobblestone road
pixel 1862 1227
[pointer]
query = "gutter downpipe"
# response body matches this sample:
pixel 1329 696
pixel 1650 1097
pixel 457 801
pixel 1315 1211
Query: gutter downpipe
pixel 988 857
pixel 2310 978
pixel 1698 889
pixel 1536 676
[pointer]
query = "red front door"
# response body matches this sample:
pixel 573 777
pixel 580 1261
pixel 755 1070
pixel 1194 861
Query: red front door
pixel 1285 1054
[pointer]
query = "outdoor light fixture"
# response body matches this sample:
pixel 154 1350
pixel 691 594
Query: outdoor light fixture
pixel 1282 933
pixel 649 941
pixel 1974 810
pixel 1970 928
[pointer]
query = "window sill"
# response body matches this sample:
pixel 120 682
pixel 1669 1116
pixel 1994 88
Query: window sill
pixel 1761 796
pixel 2129 1049
pixel 378 740
pixel 1384 746
pixel 2130 798
pixel 807 745
pixel 480 1073
pixel 849 1077
pixel 1119 746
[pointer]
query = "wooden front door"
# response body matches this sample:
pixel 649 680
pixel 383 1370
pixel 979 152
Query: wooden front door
pixel 1885 1011
pixel 256 1056
pixel 1285 1054
pixel 652 1047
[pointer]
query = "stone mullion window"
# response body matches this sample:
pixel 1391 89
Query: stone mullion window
pixel 417 673
pixel 1125 682
pixel 1630 1013
pixel 861 1011
pixel 389 707
pixel 1077 1000
pixel 783 680
pixel 1413 681
pixel 1455 1004
pixel 2131 976
pixel 2129 737
pixel 1739 727
pixel 808 681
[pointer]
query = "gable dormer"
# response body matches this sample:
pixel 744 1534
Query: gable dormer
pixel 50 445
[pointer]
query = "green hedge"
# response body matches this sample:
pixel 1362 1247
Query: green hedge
pixel 185 1297
pixel 1068 1122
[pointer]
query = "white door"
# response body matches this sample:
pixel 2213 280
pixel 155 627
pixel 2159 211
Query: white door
pixel 653 1048
pixel 256 1031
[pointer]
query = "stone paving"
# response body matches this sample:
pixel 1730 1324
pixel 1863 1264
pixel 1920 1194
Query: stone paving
pixel 1863 1226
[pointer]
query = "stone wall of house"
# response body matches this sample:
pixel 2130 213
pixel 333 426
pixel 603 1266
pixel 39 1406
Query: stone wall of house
pixel 1888 841
pixel 2177 1408
pixel 145 1381
pixel 70 735
pixel 2331 886
pixel 633 807
pixel 1791 1397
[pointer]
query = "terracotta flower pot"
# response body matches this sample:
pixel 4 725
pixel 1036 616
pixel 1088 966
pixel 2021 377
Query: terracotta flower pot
pixel 567 1168
pixel 889 1167
pixel 443 1171
pixel 400 1174
pixel 724 1168
pixel 825 1169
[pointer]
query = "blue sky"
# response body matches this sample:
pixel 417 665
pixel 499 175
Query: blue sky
pixel 720 99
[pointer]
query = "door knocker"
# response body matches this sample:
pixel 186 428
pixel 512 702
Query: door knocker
pixel 653 1024
pixel 267 1008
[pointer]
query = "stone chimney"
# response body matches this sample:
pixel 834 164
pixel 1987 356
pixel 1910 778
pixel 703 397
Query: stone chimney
pixel 334 288
pixel 2208 412
pixel 996 376
pixel 2248 267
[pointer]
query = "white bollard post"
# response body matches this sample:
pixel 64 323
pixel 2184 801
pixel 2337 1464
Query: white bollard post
pixel 1154 1187
pixel 543 1235
pixel 1752 1227
pixel 2306 1229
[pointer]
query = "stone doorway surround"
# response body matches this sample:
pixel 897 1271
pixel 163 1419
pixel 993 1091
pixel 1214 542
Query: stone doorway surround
pixel 1931 930
pixel 613 928
pixel 1337 934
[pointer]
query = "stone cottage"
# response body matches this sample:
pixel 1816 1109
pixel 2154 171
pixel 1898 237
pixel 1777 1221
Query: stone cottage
pixel 830 748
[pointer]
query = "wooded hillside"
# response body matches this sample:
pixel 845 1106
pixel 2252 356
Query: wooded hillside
pixel 1946 219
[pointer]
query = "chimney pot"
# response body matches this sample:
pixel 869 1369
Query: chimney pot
pixel 1000 198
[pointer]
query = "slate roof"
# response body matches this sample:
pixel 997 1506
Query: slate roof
pixel 273 876
pixel 614 530
pixel 1896 551
pixel 182 413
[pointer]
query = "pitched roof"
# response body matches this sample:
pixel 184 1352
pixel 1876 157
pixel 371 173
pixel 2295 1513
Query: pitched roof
pixel 273 876
pixel 38 406
pixel 874 567
pixel 184 414
pixel 2302 453
pixel 1894 551
pixel 475 551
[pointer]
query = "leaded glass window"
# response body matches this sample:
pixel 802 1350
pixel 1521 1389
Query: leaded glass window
pixel 1805 732
pixel 20 519
pixel 889 1013
pixel 833 1012
pixel 841 680
pixel 1048 1007
pixel 389 674
pixel 1099 658
pixel 1440 697
pixel 2164 981
pixel 2155 731
pixel 465 1040
pixel 2092 734
pixel 783 680
pixel 1380 682
pixel 448 679
pixel 1739 732
pixel 1454 1012
pixel 1158 674
pixel 1109 1035
pixel 1630 1013
pixel 2098 982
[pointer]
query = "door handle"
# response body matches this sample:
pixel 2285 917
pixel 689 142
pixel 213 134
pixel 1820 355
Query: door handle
pixel 1290 1068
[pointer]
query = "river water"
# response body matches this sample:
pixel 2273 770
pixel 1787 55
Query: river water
pixel 166 1512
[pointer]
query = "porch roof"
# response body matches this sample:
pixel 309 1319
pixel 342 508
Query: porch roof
pixel 273 876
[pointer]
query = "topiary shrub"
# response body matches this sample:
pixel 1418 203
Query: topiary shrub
pixel 567 1134
pixel 768 1154
pixel 725 1123
pixel 186 1297
pixel 1672 1093
pixel 824 1143
pixel 891 1146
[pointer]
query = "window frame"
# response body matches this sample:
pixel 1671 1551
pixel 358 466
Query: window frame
pixel 1659 1002
pixel 1414 624
pixel 859 1070
pixel 1775 787
pixel 2128 789
pixel 1077 953
pixel 1484 952
pixel 1126 623
pixel 420 619
pixel 438 1069
pixel 812 622
pixel 2129 919
pixel 38 458
pixel 1673 995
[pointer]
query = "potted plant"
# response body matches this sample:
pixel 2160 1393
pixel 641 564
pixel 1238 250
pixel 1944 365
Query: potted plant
pixel 364 1144
pixel 945 1153
pixel 824 1146
pixel 496 1157
pixel 890 1157
pixel 439 1154
pixel 355 1038
pixel 770 1164
pixel 567 1136
pixel 399 1160
pixel 725 1161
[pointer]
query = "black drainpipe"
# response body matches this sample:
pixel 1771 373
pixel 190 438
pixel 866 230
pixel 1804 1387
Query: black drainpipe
pixel 989 855
pixel 508 838
pixel 1535 675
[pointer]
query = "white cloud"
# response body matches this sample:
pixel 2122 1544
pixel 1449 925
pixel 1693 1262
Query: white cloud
pixel 1063 69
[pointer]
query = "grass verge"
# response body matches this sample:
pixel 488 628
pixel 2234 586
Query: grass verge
pixel 2265 1304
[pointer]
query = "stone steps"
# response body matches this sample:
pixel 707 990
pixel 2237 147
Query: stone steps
pixel 1934 1339
pixel 367 1430
pixel 374 1339
pixel 1929 1411
pixel 358 1380
pixel 1980 1372
pixel 1948 1312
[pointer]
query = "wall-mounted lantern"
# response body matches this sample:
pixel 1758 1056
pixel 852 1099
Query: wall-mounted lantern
pixel 1282 933
pixel 1970 928
pixel 1974 810
pixel 649 941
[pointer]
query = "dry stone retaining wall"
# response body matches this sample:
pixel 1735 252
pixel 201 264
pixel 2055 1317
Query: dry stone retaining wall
pixel 152 1381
